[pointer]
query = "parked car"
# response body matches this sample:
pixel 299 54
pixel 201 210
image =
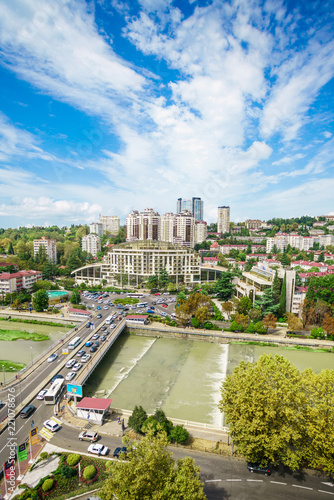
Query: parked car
pixel 120 450
pixel 77 367
pixel 255 467
pixel 98 449
pixel 164 305
pixel 27 411
pixel 41 394
pixel 70 376
pixel 99 316
pixel 52 357
pixel 99 308
pixel 89 436
pixel 52 425
pixel 70 363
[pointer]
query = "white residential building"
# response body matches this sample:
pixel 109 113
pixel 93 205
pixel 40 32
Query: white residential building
pixel 144 225
pixel 91 243
pixel 223 220
pixel 178 228
pixel 96 228
pixel 201 231
pixel 110 224
pixel 50 248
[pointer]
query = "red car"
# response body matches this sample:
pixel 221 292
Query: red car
pixel 164 305
pixel 158 293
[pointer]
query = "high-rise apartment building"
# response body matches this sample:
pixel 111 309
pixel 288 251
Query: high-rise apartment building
pixel 50 248
pixel 96 228
pixel 223 220
pixel 200 231
pixel 91 243
pixel 144 225
pixel 178 228
pixel 195 206
pixel 110 224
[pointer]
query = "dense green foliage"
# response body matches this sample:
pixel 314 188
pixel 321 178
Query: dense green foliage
pixel 224 287
pixel 279 415
pixel 137 419
pixel 47 485
pixel 40 300
pixel 321 288
pixel 151 473
pixel 89 472
pixel 73 459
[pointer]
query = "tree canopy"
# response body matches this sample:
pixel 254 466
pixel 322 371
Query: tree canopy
pixel 224 287
pixel 150 473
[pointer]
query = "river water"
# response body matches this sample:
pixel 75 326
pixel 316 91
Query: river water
pixel 180 376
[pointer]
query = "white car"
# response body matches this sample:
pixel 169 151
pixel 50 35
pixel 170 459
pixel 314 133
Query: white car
pixel 85 358
pixel 98 449
pixel 77 367
pixel 51 425
pixel 52 357
pixel 41 394
pixel 70 363
pixel 70 376
pixel 106 308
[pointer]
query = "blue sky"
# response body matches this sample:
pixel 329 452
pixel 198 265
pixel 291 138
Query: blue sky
pixel 108 106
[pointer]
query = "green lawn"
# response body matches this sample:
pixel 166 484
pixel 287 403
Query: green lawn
pixel 11 366
pixel 16 334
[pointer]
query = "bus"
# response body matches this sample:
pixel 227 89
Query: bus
pixel 143 304
pixel 74 343
pixel 134 295
pixel 109 320
pixel 54 393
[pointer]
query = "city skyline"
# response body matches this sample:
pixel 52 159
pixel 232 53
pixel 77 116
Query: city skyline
pixel 119 107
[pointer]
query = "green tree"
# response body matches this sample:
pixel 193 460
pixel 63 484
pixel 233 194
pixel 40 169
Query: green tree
pixel 264 406
pixel 277 288
pixel 137 419
pixel 163 278
pixel 10 249
pixel 285 261
pixel 202 314
pixel 75 297
pixel 255 314
pixel 48 270
pixel 153 281
pixel 151 473
pixel 266 302
pixel 227 308
pixel 224 287
pixel 40 300
pixel 244 305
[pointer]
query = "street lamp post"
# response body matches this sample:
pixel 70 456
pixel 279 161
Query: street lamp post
pixel 3 371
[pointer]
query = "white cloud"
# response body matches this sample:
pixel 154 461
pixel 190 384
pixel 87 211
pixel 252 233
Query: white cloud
pixel 288 159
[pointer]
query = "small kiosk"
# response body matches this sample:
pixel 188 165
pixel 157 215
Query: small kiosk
pixel 93 409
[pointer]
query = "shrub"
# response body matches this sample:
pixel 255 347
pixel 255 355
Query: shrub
pixel 47 485
pixel 179 434
pixel 89 472
pixel 236 326
pixel 73 459
pixel 195 323
pixel 44 455
pixel 67 471
pixel 137 418
pixel 317 333
pixel 109 464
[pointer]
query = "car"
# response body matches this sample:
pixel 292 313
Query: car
pixel 56 377
pixel 77 367
pixel 256 467
pixel 98 449
pixel 158 293
pixel 88 324
pixel 120 450
pixel 154 303
pixel 80 353
pixel 89 343
pixel 70 363
pixel 70 376
pixel 103 338
pixel 41 394
pixel 163 313
pixel 104 327
pixel 164 305
pixel 99 308
pixel 97 343
pixel 106 308
pixel 51 425
pixel 89 436
pixel 27 411
pixel 95 336
pixel 93 348
pixel 52 357
pixel 112 326
pixel 85 358
pixel 99 316
pixel 150 311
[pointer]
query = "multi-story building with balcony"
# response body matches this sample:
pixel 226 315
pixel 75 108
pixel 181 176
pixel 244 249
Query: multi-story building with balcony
pixel 91 243
pixel 200 231
pixel 110 224
pixel 144 225
pixel 15 282
pixel 50 248
pixel 96 228
pixel 253 224
pixel 223 220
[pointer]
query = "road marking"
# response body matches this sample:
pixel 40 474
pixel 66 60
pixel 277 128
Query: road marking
pixel 303 487
pixel 233 479
pixel 328 484
pixel 278 482
pixel 328 492
pixel 212 480
pixel 255 480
